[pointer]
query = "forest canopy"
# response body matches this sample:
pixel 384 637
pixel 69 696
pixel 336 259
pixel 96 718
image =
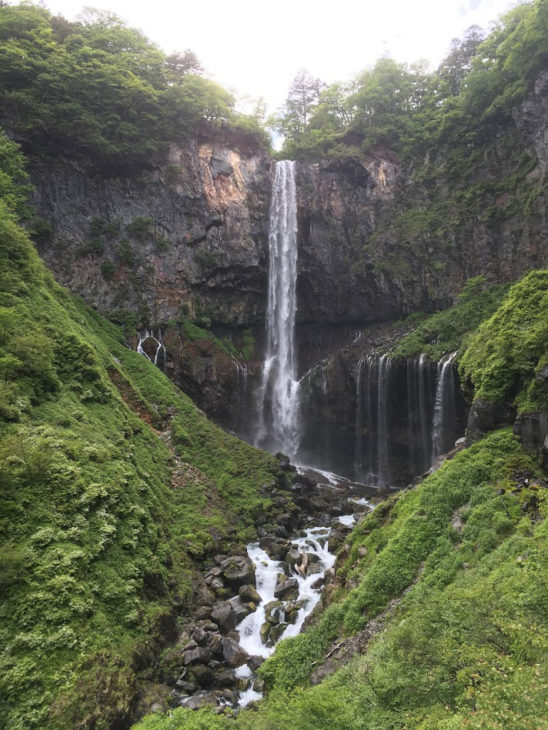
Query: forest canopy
pixel 97 88
pixel 394 104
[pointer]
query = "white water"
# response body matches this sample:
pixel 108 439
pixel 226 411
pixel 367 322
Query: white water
pixel 278 428
pixel 314 541
pixel 160 348
pixel 442 407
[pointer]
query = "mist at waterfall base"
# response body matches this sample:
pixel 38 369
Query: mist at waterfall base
pixel 378 421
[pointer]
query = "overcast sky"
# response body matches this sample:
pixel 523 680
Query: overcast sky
pixel 256 48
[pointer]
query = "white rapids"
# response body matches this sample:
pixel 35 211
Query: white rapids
pixel 314 541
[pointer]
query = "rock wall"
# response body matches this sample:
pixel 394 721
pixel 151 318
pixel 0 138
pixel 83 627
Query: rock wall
pixel 185 238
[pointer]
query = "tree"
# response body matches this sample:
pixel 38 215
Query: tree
pixel 303 97
pixel 178 65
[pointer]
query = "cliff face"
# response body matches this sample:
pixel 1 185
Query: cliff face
pixel 187 237
pixel 187 240
pixel 378 240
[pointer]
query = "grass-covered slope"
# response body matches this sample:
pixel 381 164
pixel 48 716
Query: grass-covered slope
pixel 112 485
pixel 461 564
pixel 501 334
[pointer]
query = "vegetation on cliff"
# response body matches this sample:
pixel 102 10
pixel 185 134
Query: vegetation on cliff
pixel 112 487
pixel 501 335
pixel 98 89
pixel 399 107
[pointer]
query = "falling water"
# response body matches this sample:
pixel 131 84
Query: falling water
pixel 278 428
pixel 424 389
pixel 444 407
pixel 160 353
pixel 383 390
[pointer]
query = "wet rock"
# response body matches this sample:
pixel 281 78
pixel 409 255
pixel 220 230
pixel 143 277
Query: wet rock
pixel 276 632
pixel 226 678
pixel 200 655
pixel 319 583
pixel 201 699
pixel 233 653
pixel 274 611
pixel 240 609
pixel 287 589
pixel 255 662
pixel 313 569
pixel 238 571
pixel 248 594
pixel 264 631
pixel 276 547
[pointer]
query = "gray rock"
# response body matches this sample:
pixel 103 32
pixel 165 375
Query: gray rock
pixel 248 594
pixel 233 653
pixel 287 590
pixel 200 655
pixel 224 616
pixel 226 678
pixel 238 571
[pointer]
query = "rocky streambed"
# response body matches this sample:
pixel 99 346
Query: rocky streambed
pixel 246 603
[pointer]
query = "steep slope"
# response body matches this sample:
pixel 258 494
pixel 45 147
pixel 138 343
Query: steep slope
pixel 113 488
pixel 436 618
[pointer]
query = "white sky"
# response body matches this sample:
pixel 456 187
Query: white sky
pixel 256 48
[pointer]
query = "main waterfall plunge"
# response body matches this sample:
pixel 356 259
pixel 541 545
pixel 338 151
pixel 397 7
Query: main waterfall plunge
pixel 380 421
pixel 278 412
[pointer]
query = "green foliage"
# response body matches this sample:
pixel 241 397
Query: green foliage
pixel 112 485
pixel 502 357
pixel 100 90
pixel 444 331
pixel 463 605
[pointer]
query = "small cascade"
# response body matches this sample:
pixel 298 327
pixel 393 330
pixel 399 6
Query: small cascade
pixel 444 406
pixel 313 543
pixel 424 390
pixel 406 414
pixel 159 357
pixel 278 395
pixel 383 390
pixel 240 421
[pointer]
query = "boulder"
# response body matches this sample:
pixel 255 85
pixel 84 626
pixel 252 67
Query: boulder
pixel 224 616
pixel 276 547
pixel 287 589
pixel 248 594
pixel 233 654
pixel 226 678
pixel 200 655
pixel 255 662
pixel 240 609
pixel 238 571
pixel 203 675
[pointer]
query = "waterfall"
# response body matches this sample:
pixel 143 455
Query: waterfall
pixel 160 352
pixel 383 390
pixel 444 405
pixel 278 427
pixel 424 389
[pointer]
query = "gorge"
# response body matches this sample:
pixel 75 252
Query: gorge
pixel 273 425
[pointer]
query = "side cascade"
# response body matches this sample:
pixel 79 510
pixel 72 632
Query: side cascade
pixel 278 394
pixel 405 414
pixel 158 357
pixel 444 406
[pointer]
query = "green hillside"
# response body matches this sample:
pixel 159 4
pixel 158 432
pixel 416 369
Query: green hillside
pixel 112 486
